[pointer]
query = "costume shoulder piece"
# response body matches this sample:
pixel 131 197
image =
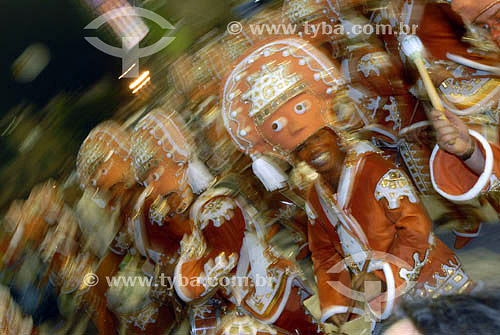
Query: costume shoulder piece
pixel 394 186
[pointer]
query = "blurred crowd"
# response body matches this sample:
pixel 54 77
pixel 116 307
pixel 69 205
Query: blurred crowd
pixel 284 182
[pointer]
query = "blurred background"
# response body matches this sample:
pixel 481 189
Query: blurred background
pixel 55 86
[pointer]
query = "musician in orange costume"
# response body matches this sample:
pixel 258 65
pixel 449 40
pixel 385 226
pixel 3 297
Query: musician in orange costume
pixel 166 165
pixel 483 12
pixel 220 234
pixel 227 245
pixel 384 106
pixel 277 102
pixel 457 59
pixel 104 167
pixel 108 164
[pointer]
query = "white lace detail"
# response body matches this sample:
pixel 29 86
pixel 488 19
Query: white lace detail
pixel 217 211
pixel 201 311
pixel 371 62
pixel 451 280
pixel 413 274
pixel 214 271
pixel 145 317
pixel 394 115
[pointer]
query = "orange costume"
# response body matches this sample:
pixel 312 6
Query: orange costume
pixel 105 163
pixel 280 94
pixel 460 74
pixel 29 221
pixel 228 250
pixel 164 162
pixel 466 88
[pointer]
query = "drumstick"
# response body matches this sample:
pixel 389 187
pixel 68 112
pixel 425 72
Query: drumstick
pixel 353 302
pixel 413 49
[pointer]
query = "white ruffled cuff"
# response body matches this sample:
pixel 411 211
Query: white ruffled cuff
pixel 391 290
pixel 483 179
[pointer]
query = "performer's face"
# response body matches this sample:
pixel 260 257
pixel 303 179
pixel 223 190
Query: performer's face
pixel 114 177
pixel 471 11
pixel 491 18
pixel 322 152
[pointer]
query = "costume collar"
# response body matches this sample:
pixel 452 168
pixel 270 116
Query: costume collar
pixel 350 170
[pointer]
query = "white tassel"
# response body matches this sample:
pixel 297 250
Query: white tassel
pixel 271 175
pixel 199 178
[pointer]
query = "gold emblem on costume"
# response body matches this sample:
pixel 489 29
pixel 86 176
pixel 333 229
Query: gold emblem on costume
pixel 394 186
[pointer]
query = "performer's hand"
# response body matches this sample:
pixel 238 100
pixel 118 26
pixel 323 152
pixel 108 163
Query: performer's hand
pixel 452 134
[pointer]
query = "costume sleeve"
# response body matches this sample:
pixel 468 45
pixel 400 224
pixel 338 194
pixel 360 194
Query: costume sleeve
pixel 212 250
pixel 453 180
pixel 378 72
pixel 415 256
pixel 332 278
pixel 403 208
pixel 94 297
pixel 409 249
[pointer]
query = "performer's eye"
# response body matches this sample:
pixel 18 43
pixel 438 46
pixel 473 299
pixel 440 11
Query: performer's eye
pixel 302 107
pixel 278 124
